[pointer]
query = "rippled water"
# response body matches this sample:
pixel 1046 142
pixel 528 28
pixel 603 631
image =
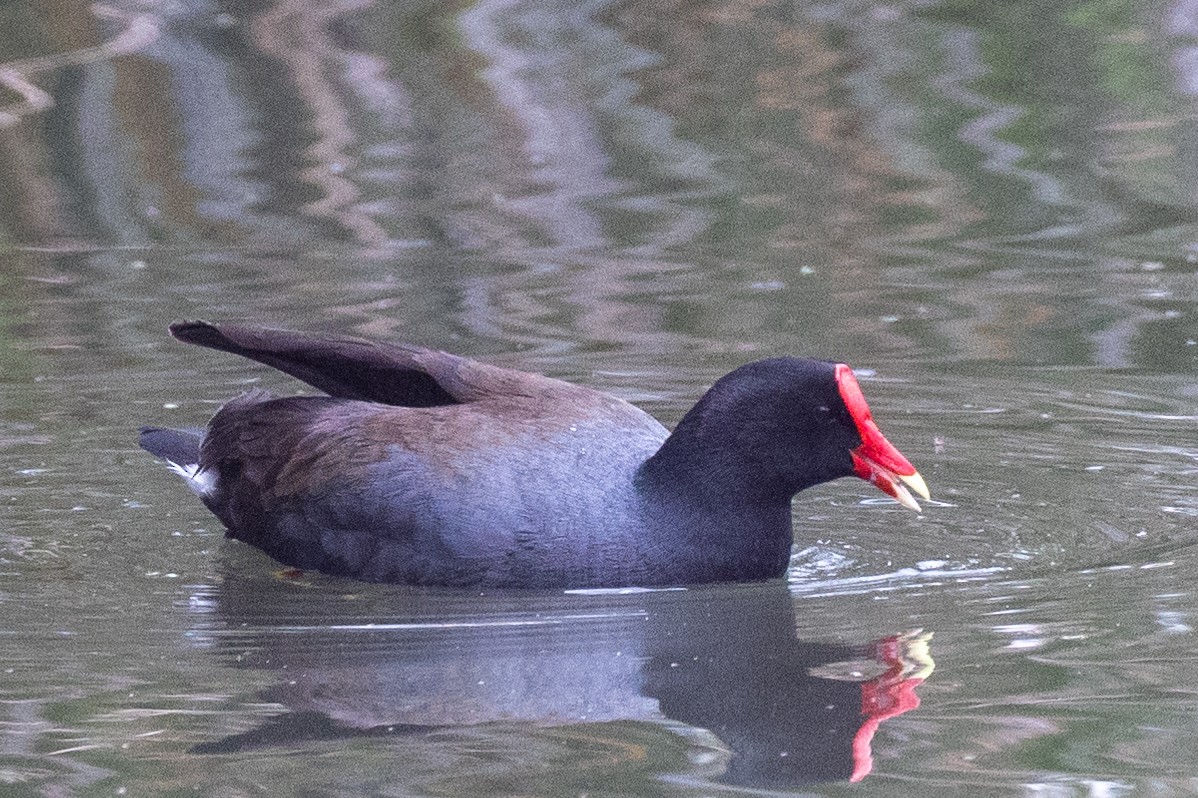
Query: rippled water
pixel 985 208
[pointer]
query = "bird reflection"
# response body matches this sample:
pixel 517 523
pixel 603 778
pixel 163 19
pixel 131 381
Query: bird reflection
pixel 721 661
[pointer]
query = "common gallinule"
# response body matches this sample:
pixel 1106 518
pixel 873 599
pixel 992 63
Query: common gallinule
pixel 422 467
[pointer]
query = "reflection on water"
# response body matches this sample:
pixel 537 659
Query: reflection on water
pixel 776 710
pixel 967 187
pixel 987 207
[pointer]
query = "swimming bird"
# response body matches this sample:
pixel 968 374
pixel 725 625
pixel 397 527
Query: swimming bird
pixel 427 468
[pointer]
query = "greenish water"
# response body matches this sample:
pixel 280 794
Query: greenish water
pixel 988 209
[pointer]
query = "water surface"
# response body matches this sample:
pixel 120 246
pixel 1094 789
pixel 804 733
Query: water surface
pixel 987 209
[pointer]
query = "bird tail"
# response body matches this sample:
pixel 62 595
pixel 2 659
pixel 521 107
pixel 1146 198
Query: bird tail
pixel 180 448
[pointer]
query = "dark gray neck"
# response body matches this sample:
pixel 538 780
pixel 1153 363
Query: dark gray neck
pixel 713 516
pixel 712 467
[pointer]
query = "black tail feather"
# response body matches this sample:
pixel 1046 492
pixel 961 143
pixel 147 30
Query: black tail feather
pixel 180 446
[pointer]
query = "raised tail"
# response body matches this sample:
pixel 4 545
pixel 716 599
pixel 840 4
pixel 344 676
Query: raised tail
pixel 180 448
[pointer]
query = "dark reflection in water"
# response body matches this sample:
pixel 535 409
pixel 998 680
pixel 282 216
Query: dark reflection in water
pixel 721 661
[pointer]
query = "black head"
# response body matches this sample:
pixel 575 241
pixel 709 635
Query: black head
pixel 774 427
pixel 771 427
pixel 786 416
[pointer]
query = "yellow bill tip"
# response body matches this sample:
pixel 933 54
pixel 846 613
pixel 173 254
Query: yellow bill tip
pixel 905 498
pixel 916 483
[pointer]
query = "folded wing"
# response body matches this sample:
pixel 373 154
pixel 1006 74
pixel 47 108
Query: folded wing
pixel 352 368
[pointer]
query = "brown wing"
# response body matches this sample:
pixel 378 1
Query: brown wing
pixel 354 368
